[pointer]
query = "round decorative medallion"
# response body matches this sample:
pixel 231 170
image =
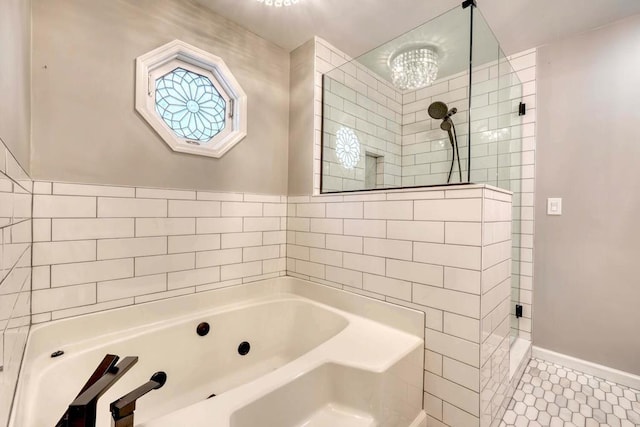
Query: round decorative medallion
pixel 190 105
pixel 347 147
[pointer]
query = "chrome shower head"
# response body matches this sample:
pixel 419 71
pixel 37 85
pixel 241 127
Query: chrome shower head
pixel 438 110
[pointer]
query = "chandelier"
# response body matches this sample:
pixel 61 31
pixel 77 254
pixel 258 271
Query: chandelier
pixel 414 68
pixel 279 3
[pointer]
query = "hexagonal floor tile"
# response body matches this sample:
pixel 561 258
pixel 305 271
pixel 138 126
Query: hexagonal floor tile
pixel 541 404
pixel 634 417
pixel 544 418
pixel 532 413
pixel 556 422
pixel 550 395
pixel 520 408
pixel 522 421
pixel 509 417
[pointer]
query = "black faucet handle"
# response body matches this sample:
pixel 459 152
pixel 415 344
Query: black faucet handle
pixel 108 362
pixel 107 365
pixel 105 382
pixel 122 409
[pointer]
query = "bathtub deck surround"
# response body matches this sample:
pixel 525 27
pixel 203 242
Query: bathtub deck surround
pixel 364 357
pixel 445 251
pixel 442 250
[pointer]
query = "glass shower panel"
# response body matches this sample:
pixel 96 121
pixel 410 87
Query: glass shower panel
pixel 375 122
pixel 496 133
pixel 510 160
pixel 483 128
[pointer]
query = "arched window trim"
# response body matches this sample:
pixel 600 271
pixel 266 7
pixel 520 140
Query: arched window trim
pixel 178 54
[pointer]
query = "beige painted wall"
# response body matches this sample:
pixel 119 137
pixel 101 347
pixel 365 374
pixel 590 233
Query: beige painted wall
pixel 85 126
pixel 586 261
pixel 301 120
pixel 15 78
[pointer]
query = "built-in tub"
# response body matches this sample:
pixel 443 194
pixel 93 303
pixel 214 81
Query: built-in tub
pixel 303 337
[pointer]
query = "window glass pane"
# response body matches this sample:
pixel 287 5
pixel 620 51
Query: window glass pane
pixel 190 105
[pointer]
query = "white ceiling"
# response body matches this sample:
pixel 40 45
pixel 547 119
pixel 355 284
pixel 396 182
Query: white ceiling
pixel 356 26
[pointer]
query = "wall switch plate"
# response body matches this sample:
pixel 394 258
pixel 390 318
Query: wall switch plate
pixel 554 206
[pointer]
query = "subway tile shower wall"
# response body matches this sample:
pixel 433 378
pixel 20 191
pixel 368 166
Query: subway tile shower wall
pixel 444 252
pixel 426 157
pixel 100 247
pixel 15 273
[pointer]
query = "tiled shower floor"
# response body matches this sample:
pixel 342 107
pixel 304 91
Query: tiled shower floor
pixel 552 395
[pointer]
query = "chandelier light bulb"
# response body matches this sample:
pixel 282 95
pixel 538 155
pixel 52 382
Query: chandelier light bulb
pixel 414 68
pixel 279 3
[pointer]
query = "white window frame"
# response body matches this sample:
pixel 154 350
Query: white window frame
pixel 178 54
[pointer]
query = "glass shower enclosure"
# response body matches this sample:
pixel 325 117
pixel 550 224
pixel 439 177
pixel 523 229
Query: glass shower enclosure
pixel 438 105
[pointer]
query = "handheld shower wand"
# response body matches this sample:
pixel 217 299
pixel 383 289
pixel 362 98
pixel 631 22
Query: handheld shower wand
pixel 439 110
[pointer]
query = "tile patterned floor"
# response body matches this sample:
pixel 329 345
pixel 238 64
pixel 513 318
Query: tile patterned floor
pixel 552 395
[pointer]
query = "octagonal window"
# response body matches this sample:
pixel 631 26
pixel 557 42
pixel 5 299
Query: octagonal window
pixel 190 105
pixel 191 99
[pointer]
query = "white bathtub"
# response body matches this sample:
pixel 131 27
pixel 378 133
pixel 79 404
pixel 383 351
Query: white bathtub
pixel 319 357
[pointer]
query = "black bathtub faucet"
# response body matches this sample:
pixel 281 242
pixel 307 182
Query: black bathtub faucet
pixel 82 411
